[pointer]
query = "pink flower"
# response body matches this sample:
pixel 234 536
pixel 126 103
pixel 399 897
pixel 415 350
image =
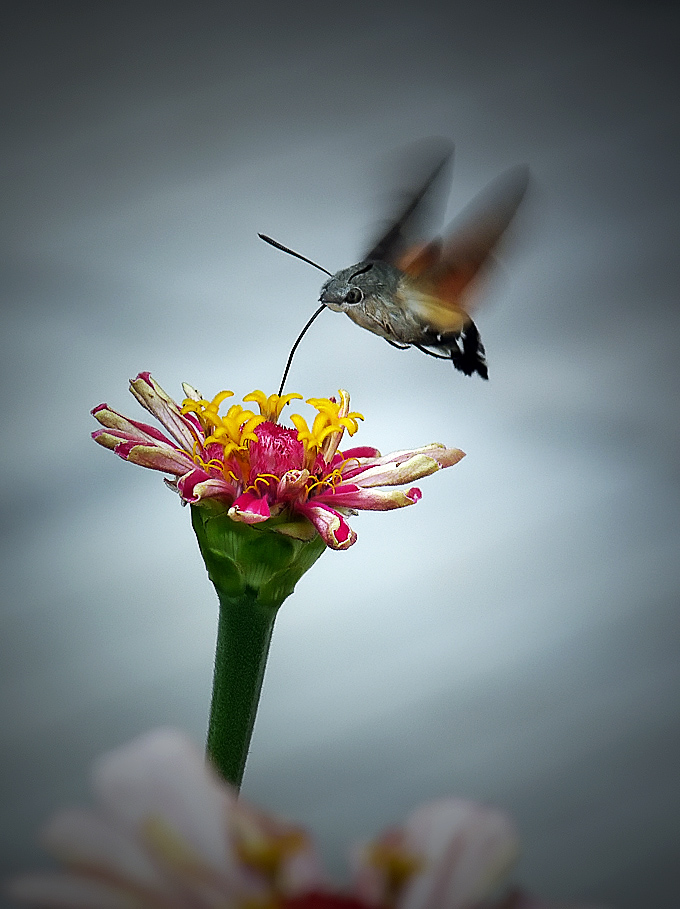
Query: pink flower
pixel 260 469
pixel 168 834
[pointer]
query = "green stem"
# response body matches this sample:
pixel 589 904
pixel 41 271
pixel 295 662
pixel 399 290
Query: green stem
pixel 254 568
pixel 243 636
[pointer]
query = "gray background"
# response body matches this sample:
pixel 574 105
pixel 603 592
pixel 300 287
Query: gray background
pixel 514 637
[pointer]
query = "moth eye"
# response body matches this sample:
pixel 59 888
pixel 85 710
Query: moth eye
pixel 354 295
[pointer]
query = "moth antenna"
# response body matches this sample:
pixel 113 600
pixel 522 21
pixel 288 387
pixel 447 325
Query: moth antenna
pixel 299 337
pixel 291 252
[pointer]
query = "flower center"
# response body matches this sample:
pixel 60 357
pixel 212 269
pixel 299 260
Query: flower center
pixel 257 451
pixel 276 450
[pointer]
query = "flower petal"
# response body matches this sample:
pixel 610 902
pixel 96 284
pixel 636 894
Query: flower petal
pixel 163 775
pixel 250 509
pixel 464 848
pixel 160 405
pixel 131 429
pixel 469 848
pixel 167 460
pixel 445 457
pixel 86 841
pixel 291 484
pixel 350 496
pixel 395 473
pixel 330 524
pixel 66 891
pixel 362 451
pixel 197 484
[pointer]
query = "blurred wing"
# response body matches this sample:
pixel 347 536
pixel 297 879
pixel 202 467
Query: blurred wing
pixel 446 266
pixel 427 166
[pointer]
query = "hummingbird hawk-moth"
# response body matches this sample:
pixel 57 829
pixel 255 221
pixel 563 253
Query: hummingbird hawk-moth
pixel 415 292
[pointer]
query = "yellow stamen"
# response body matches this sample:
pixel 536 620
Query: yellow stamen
pixel 304 433
pixel 204 409
pixel 233 431
pixel 327 422
pixel 397 865
pixel 270 407
pixel 332 411
pixel 261 477
pixel 212 464
pixel 266 852
pixel 331 480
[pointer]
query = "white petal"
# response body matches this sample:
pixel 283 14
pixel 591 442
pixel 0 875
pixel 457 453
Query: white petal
pixel 468 847
pixel 64 891
pixel 82 839
pixel 460 849
pixel 163 776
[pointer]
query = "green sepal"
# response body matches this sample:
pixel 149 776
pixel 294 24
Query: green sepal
pixel 256 559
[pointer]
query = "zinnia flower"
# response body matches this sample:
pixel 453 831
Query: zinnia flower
pixel 261 470
pixel 168 834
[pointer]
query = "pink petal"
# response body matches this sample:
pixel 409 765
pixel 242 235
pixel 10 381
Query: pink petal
pixel 403 467
pixel 330 524
pixel 131 429
pixel 395 473
pixel 109 438
pixel 361 452
pixel 250 509
pixel 152 397
pixel 349 496
pixel 291 483
pixel 445 457
pixel 197 484
pixel 166 460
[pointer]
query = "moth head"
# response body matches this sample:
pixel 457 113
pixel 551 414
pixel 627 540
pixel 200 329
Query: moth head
pixel 347 288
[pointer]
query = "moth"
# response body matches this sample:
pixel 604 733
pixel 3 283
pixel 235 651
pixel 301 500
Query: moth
pixel 415 292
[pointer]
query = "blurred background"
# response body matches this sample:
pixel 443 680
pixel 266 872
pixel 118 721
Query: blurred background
pixel 514 637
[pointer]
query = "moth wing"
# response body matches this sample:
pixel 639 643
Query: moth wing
pixel 426 165
pixel 446 266
pixel 440 316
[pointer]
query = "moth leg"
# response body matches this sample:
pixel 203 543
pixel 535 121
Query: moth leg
pixel 431 353
pixel 398 346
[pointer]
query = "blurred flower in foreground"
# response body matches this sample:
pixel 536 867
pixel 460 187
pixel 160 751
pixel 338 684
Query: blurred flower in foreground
pixel 168 834
pixel 261 470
